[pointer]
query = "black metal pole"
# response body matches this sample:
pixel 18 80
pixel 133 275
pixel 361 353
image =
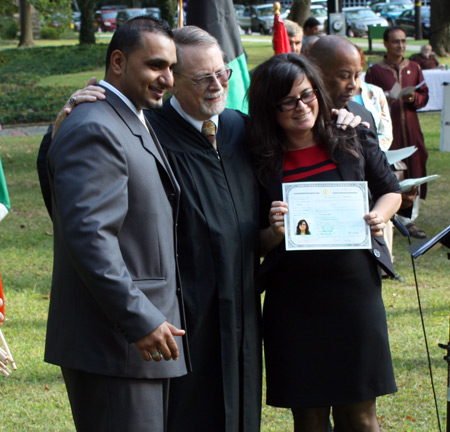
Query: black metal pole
pixel 418 19
pixel 447 359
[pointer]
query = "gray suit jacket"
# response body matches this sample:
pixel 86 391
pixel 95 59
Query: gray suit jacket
pixel 115 203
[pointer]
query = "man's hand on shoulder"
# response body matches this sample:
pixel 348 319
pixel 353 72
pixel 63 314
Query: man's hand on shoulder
pixel 90 93
pixel 160 343
pixel 347 119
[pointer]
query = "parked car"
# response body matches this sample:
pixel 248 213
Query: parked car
pixel 154 11
pixel 320 14
pixel 405 2
pixel 258 18
pixel 323 3
pixel 105 20
pixel 407 21
pixel 358 20
pixel 124 15
pixel 390 11
pixel 285 3
pixel 113 7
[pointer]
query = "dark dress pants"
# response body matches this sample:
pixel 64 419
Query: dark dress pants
pixel 110 404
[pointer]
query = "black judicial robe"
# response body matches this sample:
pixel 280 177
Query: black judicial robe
pixel 218 231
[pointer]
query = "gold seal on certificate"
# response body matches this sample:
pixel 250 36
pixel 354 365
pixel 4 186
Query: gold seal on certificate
pixel 326 215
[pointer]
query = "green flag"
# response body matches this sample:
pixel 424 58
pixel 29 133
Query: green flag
pixel 4 197
pixel 218 18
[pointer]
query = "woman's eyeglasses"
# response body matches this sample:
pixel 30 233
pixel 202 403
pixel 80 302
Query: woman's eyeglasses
pixel 291 104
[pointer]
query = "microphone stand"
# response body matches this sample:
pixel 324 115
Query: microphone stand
pixel 417 249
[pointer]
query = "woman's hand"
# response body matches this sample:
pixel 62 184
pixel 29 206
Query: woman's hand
pixel 274 234
pixel 90 93
pixel 376 223
pixel 385 207
pixel 276 217
pixel 347 119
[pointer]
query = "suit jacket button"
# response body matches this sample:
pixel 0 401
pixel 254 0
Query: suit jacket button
pixel 377 253
pixel 171 197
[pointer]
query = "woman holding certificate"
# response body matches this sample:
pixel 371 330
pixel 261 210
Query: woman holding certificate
pixel 325 333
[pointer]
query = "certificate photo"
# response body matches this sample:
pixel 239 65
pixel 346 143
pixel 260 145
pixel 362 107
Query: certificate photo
pixel 326 215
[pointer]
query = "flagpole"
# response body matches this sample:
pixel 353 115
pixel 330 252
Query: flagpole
pixel 180 13
pixel 281 43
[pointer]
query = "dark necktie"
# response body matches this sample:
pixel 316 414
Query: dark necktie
pixel 209 130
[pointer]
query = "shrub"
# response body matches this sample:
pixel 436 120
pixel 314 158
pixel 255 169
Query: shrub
pixel 51 32
pixel 20 69
pixel 9 28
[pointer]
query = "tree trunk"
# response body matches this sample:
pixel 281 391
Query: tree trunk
pixel 440 27
pixel 300 11
pixel 26 33
pixel 87 31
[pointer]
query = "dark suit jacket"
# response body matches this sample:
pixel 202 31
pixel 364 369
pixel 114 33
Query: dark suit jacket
pixel 372 167
pixel 114 207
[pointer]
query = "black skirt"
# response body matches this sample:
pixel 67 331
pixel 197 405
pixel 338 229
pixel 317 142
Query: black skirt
pixel 325 330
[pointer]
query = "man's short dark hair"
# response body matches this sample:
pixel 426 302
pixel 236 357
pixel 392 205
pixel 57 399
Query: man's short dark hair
pixel 127 37
pixel 311 22
pixel 388 32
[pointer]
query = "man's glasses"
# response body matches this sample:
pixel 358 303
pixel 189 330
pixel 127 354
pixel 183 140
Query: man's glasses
pixel 222 76
pixel 291 104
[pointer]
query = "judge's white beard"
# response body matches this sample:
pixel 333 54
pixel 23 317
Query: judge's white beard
pixel 210 108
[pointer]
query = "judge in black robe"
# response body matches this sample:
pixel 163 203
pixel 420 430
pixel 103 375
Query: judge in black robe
pixel 218 232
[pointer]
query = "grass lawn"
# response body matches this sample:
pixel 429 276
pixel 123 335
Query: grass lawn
pixel 34 399
pixel 258 49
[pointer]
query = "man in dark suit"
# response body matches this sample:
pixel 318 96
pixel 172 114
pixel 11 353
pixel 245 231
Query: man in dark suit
pixel 340 64
pixel 115 300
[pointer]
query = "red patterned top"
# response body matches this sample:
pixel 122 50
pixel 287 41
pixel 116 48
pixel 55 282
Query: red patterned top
pixel 304 163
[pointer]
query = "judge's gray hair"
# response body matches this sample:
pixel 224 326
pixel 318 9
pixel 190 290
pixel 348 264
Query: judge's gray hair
pixel 292 28
pixel 192 36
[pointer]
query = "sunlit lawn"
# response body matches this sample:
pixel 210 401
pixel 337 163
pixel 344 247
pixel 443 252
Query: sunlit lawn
pixel 33 398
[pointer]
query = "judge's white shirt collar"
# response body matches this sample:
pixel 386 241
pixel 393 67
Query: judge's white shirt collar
pixel 196 123
pixel 127 101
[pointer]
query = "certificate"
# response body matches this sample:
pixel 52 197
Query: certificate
pixel 326 215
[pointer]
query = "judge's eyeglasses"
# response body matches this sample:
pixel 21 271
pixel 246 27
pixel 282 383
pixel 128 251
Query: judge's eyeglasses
pixel 204 81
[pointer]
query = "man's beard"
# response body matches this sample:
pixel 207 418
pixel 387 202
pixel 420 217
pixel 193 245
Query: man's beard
pixel 214 108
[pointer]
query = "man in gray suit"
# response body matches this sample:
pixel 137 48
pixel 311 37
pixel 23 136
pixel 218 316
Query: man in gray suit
pixel 115 300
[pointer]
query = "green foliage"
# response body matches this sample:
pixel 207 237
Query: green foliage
pixel 8 8
pixel 48 32
pixel 8 28
pixel 168 10
pixel 20 69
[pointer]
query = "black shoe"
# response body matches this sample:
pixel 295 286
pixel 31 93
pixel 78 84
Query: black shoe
pixel 415 232
pixel 397 277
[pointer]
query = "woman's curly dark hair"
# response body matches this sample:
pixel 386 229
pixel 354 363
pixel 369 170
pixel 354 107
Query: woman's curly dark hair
pixel 271 82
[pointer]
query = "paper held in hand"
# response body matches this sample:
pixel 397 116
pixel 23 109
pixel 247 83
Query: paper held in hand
pixel 394 156
pixel 326 215
pixel 6 357
pixel 407 184
pixel 397 92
